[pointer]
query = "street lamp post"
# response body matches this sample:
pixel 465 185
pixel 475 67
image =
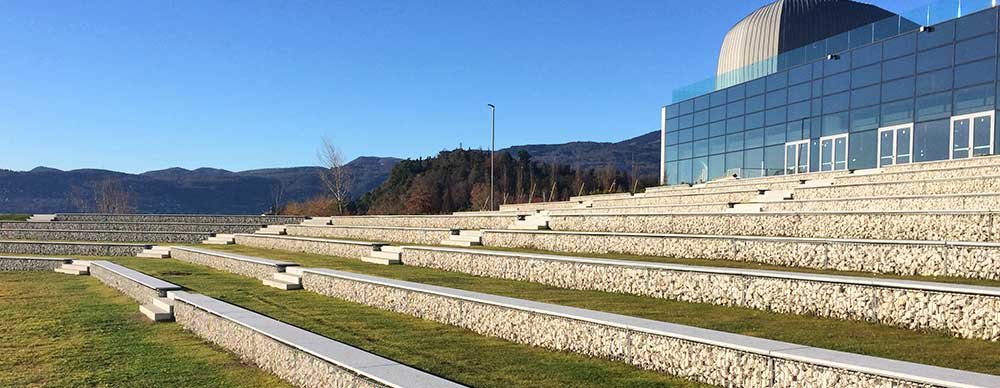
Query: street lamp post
pixel 493 140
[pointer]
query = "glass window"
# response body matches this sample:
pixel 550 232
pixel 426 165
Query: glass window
pixel 897 89
pixel 833 66
pixel 735 93
pixel 837 83
pixel 935 59
pixel 755 120
pixel 975 72
pixel 817 106
pixel 837 43
pixel 717 128
pixel 976 24
pixel 886 28
pixel 672 173
pixel 671 153
pixel 777 81
pixel 686 107
pixel 974 99
pixel 774 134
pixel 684 135
pixel 700 148
pixel 685 121
pixel 930 140
pixel 776 98
pixel 836 102
pixel 835 124
pixel 899 67
pixel 717 145
pixel 861 36
pixel 718 113
pixel 701 103
pixel 753 138
pixel 934 106
pixel 862 153
pixel 865 96
pixel 942 33
pixel 755 87
pixel 699 170
pixel 718 98
pixel 701 117
pixel 734 125
pixel 734 162
pixel 976 48
pixel 734 109
pixel 934 81
pixel 755 104
pixel 684 150
pixel 899 112
pixel 774 160
pixel 900 45
pixel 684 171
pixel 799 75
pixel 671 138
pixel 793 131
pixel 799 92
pixel 867 55
pixel 716 166
pixel 818 68
pixel 734 142
pixel 864 119
pixel 671 125
pixel 753 163
pixel 866 76
pixel 672 111
pixel 798 111
pixel 775 116
pixel 817 87
pixel 699 132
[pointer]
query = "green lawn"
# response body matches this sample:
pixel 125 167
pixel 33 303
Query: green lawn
pixel 850 336
pixel 65 331
pixel 14 217
pixel 451 352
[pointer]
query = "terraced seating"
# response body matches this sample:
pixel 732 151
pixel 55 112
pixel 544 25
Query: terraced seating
pixel 491 221
pixel 132 226
pixel 319 246
pixel 271 272
pixel 70 248
pixel 103 235
pixel 400 234
pixel 180 218
pixel 972 201
pixel 149 291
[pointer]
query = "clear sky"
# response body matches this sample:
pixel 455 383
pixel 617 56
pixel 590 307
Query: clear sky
pixel 142 85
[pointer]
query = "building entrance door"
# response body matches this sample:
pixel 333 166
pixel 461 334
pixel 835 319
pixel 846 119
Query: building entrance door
pixel 895 145
pixel 833 153
pixel 971 135
pixel 797 157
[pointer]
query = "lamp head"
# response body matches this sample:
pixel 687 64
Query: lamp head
pixel 491 106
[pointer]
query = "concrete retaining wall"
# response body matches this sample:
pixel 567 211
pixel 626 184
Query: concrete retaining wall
pixel 70 248
pixel 684 198
pixel 940 226
pixel 11 264
pixel 242 265
pixel 339 248
pixel 685 208
pixel 102 235
pixel 704 355
pixel 965 311
pixel 134 226
pixel 990 184
pixel 182 218
pixel 985 202
pixel 904 258
pixel 432 221
pixel 431 236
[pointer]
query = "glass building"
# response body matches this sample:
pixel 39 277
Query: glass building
pixel 923 93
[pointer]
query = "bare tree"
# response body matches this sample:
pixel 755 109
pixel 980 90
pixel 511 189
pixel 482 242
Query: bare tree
pixel 276 194
pixel 79 199
pixel 334 175
pixel 111 198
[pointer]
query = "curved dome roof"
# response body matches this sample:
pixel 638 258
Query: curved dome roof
pixel 789 24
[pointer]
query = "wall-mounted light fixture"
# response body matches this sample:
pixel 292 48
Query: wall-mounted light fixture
pixel 832 57
pixel 926 29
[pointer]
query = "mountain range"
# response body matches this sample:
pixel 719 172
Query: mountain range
pixel 217 191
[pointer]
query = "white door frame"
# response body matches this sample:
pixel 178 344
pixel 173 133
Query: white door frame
pixel 895 152
pixel 970 116
pixel 833 150
pixel 796 144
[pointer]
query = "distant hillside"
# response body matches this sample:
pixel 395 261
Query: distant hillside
pixel 178 190
pixel 644 149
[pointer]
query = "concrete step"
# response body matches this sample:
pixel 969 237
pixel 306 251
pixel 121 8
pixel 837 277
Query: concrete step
pixel 476 233
pixel 317 221
pixel 42 218
pixel 274 230
pixel 77 267
pixel 82 262
pixel 527 226
pixel 817 183
pixel 456 243
pixel 287 277
pixel 221 239
pixel 381 261
pixel 164 304
pixel 156 313
pixel 281 285
pixel 384 255
pixel 72 271
pixel 156 252
pixel 774 195
pixel 218 242
pixel 296 270
pixel 392 248
pixel 746 208
pixel 458 237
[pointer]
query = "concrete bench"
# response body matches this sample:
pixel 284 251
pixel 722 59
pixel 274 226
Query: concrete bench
pixel 70 248
pixel 964 310
pixel 319 246
pixel 135 284
pixel 278 348
pixel 708 356
pixel 256 267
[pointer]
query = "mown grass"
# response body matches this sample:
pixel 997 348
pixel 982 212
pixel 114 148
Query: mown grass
pixel 927 347
pixel 63 331
pixel 451 352
pixel 14 217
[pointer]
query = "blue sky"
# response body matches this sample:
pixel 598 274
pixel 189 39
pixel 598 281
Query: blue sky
pixel 137 86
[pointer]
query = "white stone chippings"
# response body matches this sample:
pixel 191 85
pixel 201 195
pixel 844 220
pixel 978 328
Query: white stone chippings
pixel 981 262
pixel 245 268
pixel 790 374
pixel 886 226
pixel 185 218
pixel 28 264
pixel 964 315
pixel 888 189
pixel 428 221
pixel 292 365
pixel 412 236
pixel 328 248
pixel 944 173
pixel 106 236
pixel 134 226
pixel 68 248
pixel 951 202
pixel 679 198
pixel 125 285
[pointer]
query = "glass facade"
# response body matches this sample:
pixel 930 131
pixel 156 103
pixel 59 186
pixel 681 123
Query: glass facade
pixel 921 96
